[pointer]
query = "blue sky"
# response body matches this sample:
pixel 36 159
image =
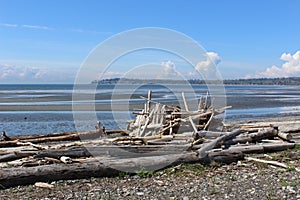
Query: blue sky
pixel 46 41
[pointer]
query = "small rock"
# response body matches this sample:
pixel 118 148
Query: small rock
pixel 44 185
pixel 140 193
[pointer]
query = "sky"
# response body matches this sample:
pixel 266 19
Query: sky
pixel 47 41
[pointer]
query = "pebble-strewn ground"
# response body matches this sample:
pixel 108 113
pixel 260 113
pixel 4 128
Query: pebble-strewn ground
pixel 242 180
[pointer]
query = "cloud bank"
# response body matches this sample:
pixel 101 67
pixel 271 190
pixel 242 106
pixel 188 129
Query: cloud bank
pixel 290 68
pixel 31 74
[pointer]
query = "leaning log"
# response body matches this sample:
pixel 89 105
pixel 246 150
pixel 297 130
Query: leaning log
pixel 213 144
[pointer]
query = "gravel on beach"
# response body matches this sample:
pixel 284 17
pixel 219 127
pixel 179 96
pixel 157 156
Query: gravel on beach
pixel 242 180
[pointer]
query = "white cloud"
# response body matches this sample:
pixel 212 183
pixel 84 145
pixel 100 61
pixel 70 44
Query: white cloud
pixel 207 67
pixel 25 26
pixel 291 67
pixel 41 27
pixel 168 69
pixel 9 25
pixel 212 59
pixel 36 27
pixel 31 74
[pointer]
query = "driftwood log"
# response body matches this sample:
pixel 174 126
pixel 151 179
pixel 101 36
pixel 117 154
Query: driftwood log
pixel 107 166
pixel 213 144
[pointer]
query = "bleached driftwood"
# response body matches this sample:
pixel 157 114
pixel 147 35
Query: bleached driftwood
pixel 15 142
pixel 202 152
pixel 270 162
pixel 253 137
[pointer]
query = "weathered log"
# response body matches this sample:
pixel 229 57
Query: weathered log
pixel 40 147
pixel 187 109
pixel 270 162
pixel 240 140
pixel 248 149
pixel 226 156
pixel 210 134
pixel 285 136
pixel 94 168
pixel 9 157
pixel 67 137
pixel 208 122
pixel 278 147
pixel 34 136
pixel 211 145
pixel 261 148
pixel 15 156
pixel 74 152
pixel 112 150
pixel 29 175
pixel 253 137
pixel 8 144
pixel 97 167
pixel 200 106
pixel 283 126
pixel 266 133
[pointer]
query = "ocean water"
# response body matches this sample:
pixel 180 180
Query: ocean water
pixel 38 109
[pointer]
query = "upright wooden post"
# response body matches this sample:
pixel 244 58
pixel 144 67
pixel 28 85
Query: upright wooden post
pixel 187 109
pixel 149 101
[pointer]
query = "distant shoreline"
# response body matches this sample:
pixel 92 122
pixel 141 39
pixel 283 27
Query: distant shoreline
pixel 253 81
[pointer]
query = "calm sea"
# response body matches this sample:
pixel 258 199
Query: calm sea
pixel 34 109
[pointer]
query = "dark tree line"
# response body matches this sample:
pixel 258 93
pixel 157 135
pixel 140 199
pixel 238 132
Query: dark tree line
pixel 252 81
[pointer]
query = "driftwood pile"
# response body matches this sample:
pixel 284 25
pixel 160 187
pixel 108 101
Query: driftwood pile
pixel 160 136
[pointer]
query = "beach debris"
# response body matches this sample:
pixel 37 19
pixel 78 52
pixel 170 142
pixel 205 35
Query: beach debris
pixel 44 185
pixel 270 162
pixel 160 134
pixel 160 119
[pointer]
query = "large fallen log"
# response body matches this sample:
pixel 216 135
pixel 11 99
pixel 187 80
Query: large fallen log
pixel 117 151
pixel 29 175
pixel 101 167
pixel 96 167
